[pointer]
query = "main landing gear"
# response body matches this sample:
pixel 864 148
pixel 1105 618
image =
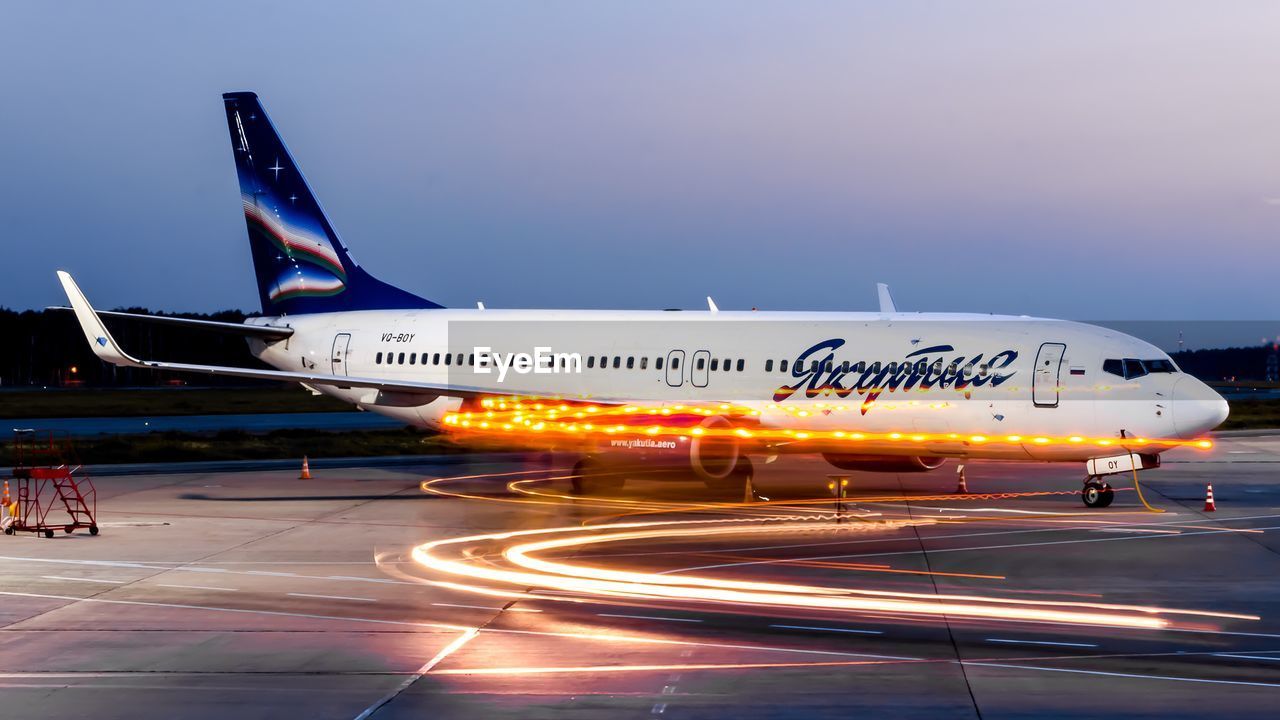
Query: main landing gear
pixel 1096 493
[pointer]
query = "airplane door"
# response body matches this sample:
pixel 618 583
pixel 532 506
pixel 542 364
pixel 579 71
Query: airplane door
pixel 675 368
pixel 338 362
pixel 699 369
pixel 1045 381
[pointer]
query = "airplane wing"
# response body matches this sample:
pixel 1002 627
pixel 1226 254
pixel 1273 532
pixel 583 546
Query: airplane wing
pixel 269 333
pixel 106 348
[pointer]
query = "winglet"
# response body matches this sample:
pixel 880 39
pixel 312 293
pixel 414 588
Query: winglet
pixel 100 340
pixel 711 305
pixel 886 299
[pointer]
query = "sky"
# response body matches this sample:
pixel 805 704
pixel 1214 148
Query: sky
pixel 1088 160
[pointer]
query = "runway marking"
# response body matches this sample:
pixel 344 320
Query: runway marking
pixel 1150 531
pixel 197 587
pixel 649 617
pixel 203 570
pixel 242 611
pixel 264 572
pixel 846 556
pixel 1249 657
pixel 486 607
pixel 88 580
pixel 1040 642
pixel 859 541
pixel 829 629
pixel 332 597
pixel 658 709
pixel 445 652
pixel 443 626
pixel 1123 675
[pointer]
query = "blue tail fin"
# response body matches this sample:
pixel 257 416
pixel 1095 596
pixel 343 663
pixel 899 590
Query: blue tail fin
pixel 301 264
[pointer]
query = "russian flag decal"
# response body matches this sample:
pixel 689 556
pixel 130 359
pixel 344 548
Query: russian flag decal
pixel 1077 371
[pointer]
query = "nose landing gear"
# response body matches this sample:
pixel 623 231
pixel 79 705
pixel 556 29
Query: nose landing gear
pixel 1096 493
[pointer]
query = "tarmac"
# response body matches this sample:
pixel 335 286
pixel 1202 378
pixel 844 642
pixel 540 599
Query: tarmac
pixel 246 592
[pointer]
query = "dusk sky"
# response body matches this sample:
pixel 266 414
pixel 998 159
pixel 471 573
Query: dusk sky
pixel 1085 160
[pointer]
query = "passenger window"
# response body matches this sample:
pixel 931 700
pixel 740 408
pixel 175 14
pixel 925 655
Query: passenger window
pixel 783 366
pixel 617 361
pixel 591 361
pixel 875 368
pixel 862 366
pixel 644 362
pixel 675 363
pixel 378 358
pixel 893 368
pixel 425 357
pixel 435 359
pixel 715 364
pixel 448 358
pixel 768 365
pixel 401 361
pixel 726 364
pixel 471 359
pixel 741 364
pixel 702 363
pixel 982 370
pixel 657 363
pixel 813 367
pixel 631 363
pixel 413 357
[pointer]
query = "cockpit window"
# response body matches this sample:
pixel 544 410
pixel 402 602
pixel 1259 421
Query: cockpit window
pixel 1131 368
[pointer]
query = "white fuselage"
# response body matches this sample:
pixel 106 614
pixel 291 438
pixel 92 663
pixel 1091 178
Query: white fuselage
pixel 937 374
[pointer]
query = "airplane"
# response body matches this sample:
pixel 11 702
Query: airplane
pixel 886 391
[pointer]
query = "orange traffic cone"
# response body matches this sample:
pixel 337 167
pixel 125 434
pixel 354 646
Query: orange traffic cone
pixel 306 469
pixel 961 487
pixel 1209 506
pixel 5 502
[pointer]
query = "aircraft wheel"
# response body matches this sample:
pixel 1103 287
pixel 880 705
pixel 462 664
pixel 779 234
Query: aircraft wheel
pixel 93 529
pixel 1097 494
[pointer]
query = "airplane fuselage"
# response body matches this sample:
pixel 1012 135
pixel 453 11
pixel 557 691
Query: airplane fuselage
pixel 961 385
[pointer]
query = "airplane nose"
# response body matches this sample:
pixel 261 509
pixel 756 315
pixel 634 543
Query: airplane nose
pixel 1196 408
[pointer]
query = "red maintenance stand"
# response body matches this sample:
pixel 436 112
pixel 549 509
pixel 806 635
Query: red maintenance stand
pixel 48 480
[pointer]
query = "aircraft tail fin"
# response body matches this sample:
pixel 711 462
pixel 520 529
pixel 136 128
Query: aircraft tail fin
pixel 301 264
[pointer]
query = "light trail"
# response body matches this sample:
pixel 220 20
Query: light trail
pixel 532 417
pixel 529 571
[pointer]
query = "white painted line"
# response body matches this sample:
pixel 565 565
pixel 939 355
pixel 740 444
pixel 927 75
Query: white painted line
pixel 92 580
pixel 266 572
pixel 648 617
pixel 1123 675
pixel 197 587
pixel 1248 657
pixel 668 689
pixel 658 709
pixel 505 631
pixel 439 657
pixel 1040 642
pixel 828 629
pixel 202 569
pixel 486 607
pixel 1138 530
pixel 332 597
